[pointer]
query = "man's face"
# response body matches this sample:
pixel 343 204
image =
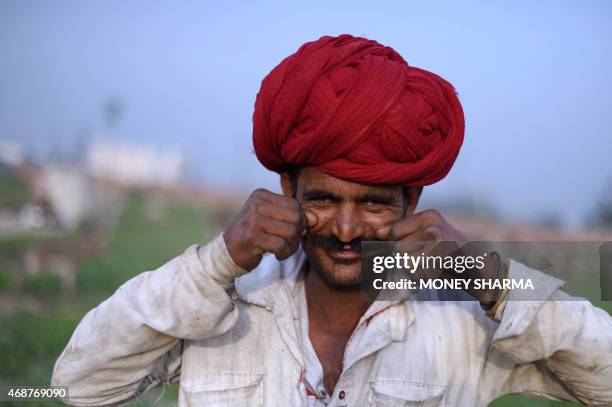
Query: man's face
pixel 347 212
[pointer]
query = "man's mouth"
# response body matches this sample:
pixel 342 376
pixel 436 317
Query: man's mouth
pixel 347 253
pixel 344 255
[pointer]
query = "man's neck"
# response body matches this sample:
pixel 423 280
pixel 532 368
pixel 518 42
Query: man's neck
pixel 338 309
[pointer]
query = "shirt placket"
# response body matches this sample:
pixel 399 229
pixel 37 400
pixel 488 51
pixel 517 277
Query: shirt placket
pixel 348 382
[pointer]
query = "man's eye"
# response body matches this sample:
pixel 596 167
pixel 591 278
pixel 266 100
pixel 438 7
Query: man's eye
pixel 374 204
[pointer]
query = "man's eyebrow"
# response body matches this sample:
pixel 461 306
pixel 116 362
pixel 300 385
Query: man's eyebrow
pixel 377 198
pixel 315 194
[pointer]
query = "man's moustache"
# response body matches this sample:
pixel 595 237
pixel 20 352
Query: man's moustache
pixel 332 244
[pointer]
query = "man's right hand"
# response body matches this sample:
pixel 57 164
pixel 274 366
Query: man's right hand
pixel 267 222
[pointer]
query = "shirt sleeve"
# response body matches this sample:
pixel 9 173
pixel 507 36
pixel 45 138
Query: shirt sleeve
pixel 133 341
pixel 555 346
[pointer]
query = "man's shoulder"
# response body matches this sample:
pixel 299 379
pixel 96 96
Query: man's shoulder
pixel 452 317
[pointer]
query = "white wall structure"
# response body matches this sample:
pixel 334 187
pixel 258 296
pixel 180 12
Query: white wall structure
pixel 70 194
pixel 11 152
pixel 134 165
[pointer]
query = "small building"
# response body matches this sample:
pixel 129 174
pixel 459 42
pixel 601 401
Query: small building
pixel 134 165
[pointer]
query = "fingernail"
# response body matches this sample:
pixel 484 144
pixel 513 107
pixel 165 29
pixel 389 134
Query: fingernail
pixel 383 233
pixel 312 219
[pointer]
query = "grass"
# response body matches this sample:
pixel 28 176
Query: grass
pixel 29 344
pixel 142 243
pixel 144 240
pixel 6 280
pixel 44 286
pixel 524 401
pixel 13 192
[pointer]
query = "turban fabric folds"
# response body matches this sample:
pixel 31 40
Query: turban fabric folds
pixel 356 110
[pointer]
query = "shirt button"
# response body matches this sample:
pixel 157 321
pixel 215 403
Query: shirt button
pixel 341 395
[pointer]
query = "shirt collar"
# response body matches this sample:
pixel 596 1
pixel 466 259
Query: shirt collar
pixel 272 284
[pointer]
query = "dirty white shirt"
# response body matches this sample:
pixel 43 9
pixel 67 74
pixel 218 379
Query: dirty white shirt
pixel 242 342
pixel 313 369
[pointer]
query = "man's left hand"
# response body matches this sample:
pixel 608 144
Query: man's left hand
pixel 428 226
pixel 424 232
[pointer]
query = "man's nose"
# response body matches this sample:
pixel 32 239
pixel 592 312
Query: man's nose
pixel 346 224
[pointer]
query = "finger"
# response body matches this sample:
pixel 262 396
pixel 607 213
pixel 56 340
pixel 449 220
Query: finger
pixel 311 219
pixel 287 231
pixel 277 199
pixel 431 232
pixel 419 241
pixel 411 246
pixel 275 244
pixel 281 201
pixel 383 233
pixel 407 226
pixel 283 214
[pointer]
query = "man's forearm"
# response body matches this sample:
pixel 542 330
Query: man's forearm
pixel 571 336
pixel 117 343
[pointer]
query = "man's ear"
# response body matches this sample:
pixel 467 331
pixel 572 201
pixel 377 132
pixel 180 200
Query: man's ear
pixel 286 185
pixel 412 200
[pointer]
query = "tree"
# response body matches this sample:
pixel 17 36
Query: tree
pixel 603 212
pixel 113 110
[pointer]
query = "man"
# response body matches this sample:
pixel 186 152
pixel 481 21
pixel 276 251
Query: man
pixel 270 313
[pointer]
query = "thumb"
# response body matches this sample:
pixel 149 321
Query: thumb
pixel 383 233
pixel 312 219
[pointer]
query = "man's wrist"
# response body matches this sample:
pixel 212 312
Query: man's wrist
pixel 218 262
pixel 494 269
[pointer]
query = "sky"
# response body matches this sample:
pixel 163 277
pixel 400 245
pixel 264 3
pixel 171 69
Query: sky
pixel 533 78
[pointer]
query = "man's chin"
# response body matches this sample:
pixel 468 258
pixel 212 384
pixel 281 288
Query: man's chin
pixel 343 275
pixel 335 272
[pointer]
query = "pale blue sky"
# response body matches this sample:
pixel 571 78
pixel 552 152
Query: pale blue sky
pixel 533 77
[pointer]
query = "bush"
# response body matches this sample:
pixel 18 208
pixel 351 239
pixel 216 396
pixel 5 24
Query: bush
pixel 44 286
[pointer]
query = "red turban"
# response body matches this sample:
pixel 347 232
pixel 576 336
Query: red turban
pixel 356 110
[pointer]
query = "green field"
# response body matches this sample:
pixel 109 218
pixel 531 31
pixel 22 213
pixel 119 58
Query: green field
pixel 30 341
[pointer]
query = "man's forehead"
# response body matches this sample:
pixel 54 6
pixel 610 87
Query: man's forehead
pixel 312 178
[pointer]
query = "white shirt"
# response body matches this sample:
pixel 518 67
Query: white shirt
pixel 313 370
pixel 242 342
